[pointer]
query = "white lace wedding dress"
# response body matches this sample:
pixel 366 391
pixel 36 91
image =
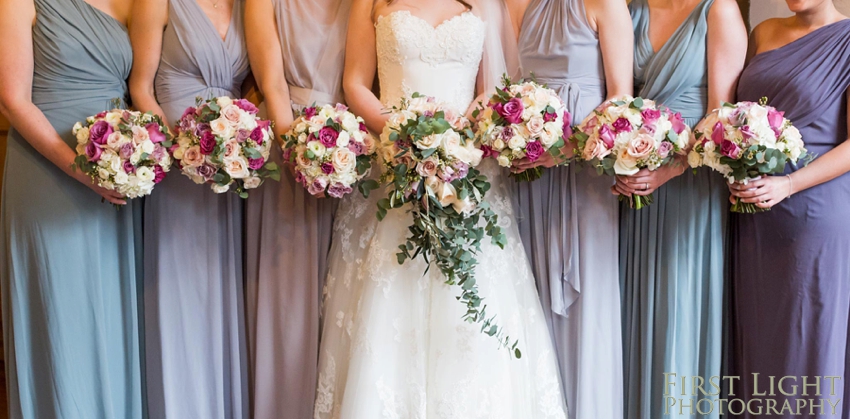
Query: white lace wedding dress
pixel 393 342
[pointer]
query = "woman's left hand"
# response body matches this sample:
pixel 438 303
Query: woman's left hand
pixel 646 181
pixel 765 192
pixel 545 160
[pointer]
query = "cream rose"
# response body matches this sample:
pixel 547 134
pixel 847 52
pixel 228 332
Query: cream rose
pixel 503 161
pixel 427 168
pixel 224 102
pixel 220 188
pixel 222 128
pixel 192 157
pixel 641 146
pixel 343 160
pixel 231 114
pixel 626 164
pixel 147 147
pixel 463 206
pixel 517 142
pixel 231 150
pixel 535 125
pixel 252 182
pixel 430 141
pixel 446 194
pixel 237 168
pixel 694 159
pixel 82 135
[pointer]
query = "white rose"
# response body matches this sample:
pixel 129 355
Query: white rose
pixel 220 188
pixel 224 102
pixel 498 144
pixel 625 165
pixel 473 154
pixel 504 161
pixel 345 178
pixel 252 182
pixel 344 160
pixel 463 206
pixel 446 194
pixel 82 135
pixel 431 141
pixel 103 173
pixel 343 139
pixel 452 144
pixel 758 113
pixel 349 122
pixel 237 168
pixel 114 118
pixel 535 125
pixel 517 143
pixel 317 148
pixel 145 174
pixel 147 147
pixel 121 178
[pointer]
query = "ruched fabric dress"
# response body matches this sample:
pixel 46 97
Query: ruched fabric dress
pixel 196 351
pixel 288 231
pixel 568 218
pixel 671 252
pixel 790 266
pixel 70 312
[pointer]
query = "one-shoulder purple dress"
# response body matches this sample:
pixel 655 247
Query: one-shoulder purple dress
pixel 791 265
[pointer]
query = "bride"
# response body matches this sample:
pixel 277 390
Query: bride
pixel 393 341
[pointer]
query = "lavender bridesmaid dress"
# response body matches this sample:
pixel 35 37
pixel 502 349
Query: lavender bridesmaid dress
pixel 791 265
pixel 568 219
pixel 288 232
pixel 194 315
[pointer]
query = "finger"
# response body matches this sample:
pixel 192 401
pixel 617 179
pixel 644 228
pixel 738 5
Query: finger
pixel 768 204
pixel 614 190
pixel 645 192
pixel 115 201
pixel 757 199
pixel 623 191
pixel 749 193
pixel 733 199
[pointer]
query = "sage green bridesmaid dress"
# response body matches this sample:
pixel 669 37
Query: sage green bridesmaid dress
pixel 671 253
pixel 70 318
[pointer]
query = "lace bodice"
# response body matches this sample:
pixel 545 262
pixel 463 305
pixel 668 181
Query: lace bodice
pixel 441 61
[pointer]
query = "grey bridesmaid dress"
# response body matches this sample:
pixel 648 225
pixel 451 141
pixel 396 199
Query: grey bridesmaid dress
pixel 671 253
pixel 790 266
pixel 70 313
pixel 195 341
pixel 568 219
pixel 288 231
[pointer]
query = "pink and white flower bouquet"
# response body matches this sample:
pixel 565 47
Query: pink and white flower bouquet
pixel 124 151
pixel 222 142
pixel 430 156
pixel 744 141
pixel 523 120
pixel 330 148
pixel 628 134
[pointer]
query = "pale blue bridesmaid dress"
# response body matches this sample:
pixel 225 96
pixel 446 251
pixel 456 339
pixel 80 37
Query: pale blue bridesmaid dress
pixel 568 218
pixel 70 313
pixel 672 252
pixel 196 354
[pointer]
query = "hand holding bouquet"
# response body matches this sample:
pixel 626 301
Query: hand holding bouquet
pixel 123 151
pixel 330 148
pixel 224 143
pixel 523 120
pixel 625 135
pixel 745 141
pixel 430 156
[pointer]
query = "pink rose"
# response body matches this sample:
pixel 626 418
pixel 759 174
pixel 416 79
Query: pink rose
pixel 489 152
pixel 650 116
pixel 533 150
pixel 207 143
pixel 427 168
pixel 664 149
pixel 327 168
pixel 158 174
pixel 154 132
pixel 568 128
pixel 310 112
pixel 299 178
pixel 591 124
pixel 318 186
pixel 356 148
pixel 775 118
pixel 257 164
pixel 231 114
pixel 717 133
pixel 747 132
pixel 511 111
pixel 622 125
pixel 328 136
pixel 338 190
pixel 93 152
pixel 258 135
pixel 99 132
pixel 128 167
pixel 207 172
pixel 730 149
pixel 231 149
pixel 246 106
pixel 607 136
pixel 595 149
pixel 363 128
pixel 189 112
pixel 100 115
pixel 641 146
pixel 535 125
pixel 242 135
pixel 127 150
pixel 549 117
pixel 678 123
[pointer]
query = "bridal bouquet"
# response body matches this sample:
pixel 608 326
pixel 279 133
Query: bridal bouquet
pixel 330 148
pixel 224 143
pixel 430 161
pixel 523 120
pixel 745 141
pixel 123 151
pixel 625 135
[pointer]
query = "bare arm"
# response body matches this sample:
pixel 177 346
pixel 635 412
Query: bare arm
pixel 361 64
pixel 769 191
pixel 16 66
pixel 264 51
pixel 150 18
pixel 613 22
pixel 726 51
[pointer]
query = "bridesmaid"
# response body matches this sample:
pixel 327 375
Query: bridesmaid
pixel 790 266
pixel 671 253
pixel 196 358
pixel 70 318
pixel 288 232
pixel 582 49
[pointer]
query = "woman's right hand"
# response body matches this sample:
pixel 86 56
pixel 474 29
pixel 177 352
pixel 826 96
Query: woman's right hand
pixel 109 195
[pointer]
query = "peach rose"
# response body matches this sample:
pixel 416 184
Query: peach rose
pixel 343 160
pixel 237 168
pixel 192 157
pixel 641 146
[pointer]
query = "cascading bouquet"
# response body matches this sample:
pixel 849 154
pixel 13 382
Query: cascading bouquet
pixel 625 135
pixel 221 141
pixel 523 120
pixel 123 151
pixel 330 148
pixel 430 158
pixel 744 141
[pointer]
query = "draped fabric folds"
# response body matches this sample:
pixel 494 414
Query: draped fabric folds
pixel 69 263
pixel 288 232
pixel 672 252
pixel 195 338
pixel 790 270
pixel 568 218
